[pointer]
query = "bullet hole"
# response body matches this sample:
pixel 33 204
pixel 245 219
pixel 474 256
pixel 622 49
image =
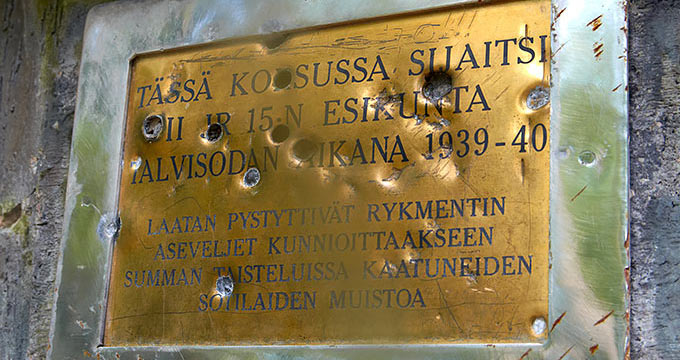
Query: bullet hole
pixel 136 163
pixel 152 127
pixel 214 132
pixel 587 158
pixel 108 227
pixel 538 98
pixel 280 133
pixel 538 326
pixel 224 285
pixel 274 40
pixel 437 85
pixel 282 79
pixel 251 177
pixel 303 149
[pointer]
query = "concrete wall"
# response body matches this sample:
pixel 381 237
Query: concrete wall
pixel 40 44
pixel 654 71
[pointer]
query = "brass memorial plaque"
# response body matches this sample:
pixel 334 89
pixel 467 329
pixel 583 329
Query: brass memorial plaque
pixel 380 182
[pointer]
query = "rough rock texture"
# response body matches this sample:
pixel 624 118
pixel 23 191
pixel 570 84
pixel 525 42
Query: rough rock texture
pixel 654 59
pixel 41 45
pixel 40 42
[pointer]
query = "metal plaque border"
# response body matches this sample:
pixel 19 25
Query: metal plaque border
pixel 589 276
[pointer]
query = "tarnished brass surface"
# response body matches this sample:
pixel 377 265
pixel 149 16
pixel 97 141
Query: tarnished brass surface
pixel 366 204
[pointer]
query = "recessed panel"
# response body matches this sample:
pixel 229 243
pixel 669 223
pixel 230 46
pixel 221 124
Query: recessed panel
pixel 380 182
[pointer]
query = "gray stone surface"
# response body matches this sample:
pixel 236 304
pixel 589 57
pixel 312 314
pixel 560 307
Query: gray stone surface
pixel 40 44
pixel 40 49
pixel 654 60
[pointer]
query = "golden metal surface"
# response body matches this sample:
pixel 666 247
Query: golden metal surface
pixel 342 215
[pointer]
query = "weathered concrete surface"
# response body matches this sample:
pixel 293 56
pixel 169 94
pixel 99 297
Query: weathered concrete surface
pixel 40 49
pixel 17 73
pixel 40 42
pixel 654 58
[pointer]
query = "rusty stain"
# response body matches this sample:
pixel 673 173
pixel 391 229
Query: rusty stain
pixel 625 30
pixel 626 243
pixel 597 49
pixel 525 354
pixel 117 356
pixel 559 14
pixel 566 352
pixel 557 321
pixel 596 23
pixel 579 193
pixel 616 88
pixel 87 353
pixel 604 318
pixel 81 324
pixel 594 348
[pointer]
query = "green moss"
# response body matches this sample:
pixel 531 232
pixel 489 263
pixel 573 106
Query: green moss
pixel 7 205
pixel 20 227
pixel 50 12
pixel 48 15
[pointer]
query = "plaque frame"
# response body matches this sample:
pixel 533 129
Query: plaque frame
pixel 589 277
